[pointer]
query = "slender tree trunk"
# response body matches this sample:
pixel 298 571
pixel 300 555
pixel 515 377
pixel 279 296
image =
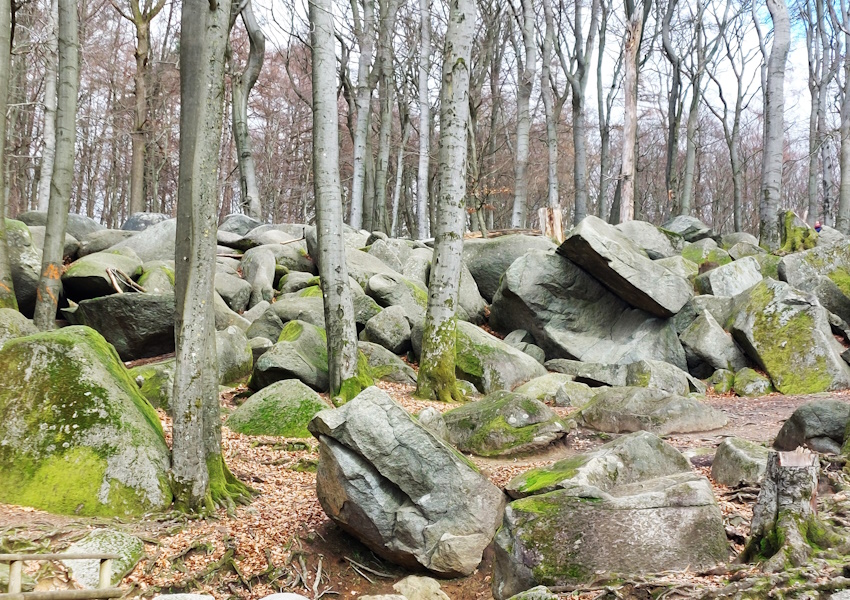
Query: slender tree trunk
pixel 552 199
pixel 50 284
pixel 241 86
pixel 634 33
pixel 437 363
pixel 336 292
pixel 423 221
pixel 774 107
pixel 200 478
pixel 525 86
pixel 363 101
pixel 399 172
pixel 386 90
pixel 7 288
pixel 842 222
pixel 686 201
pixel 137 169
pixel 48 152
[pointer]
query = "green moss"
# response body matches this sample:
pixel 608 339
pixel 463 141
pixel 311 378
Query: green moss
pixel 157 382
pixel 354 385
pixel 286 417
pixel 437 367
pixel 547 478
pixel 290 332
pixel 419 295
pixel 769 264
pixel 841 278
pixel 224 490
pixel 312 291
pixel 796 237
pixel 699 255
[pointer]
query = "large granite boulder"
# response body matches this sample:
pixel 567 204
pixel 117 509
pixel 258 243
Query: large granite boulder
pixel 142 220
pixel 558 389
pixel 819 425
pixel 730 279
pixel 258 269
pixel 617 262
pixel 502 424
pixel 70 247
pixel 156 382
pixel 157 277
pixel 390 329
pixel 289 308
pixel 662 376
pixel 25 259
pixel 632 507
pixel 235 358
pixel 77 437
pixel 86 572
pixel 239 224
pixel 787 333
pixel 705 253
pixel 571 315
pixel 284 408
pixel 14 325
pixel 720 308
pixel 138 325
pixel 235 291
pixel 488 259
pixel 385 365
pixel 402 491
pixel 690 228
pixel 78 225
pixel 394 252
pixel 88 277
pixel 626 409
pixel 708 347
pixel 592 374
pixel 739 462
pixel 157 242
pixel 98 241
pixel 363 266
pixel 749 382
pixel 657 243
pixel 300 353
pixel 392 289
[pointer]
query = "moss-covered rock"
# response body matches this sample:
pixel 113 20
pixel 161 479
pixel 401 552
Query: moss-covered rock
pixel 738 461
pixel 76 436
pixel 14 325
pixel 749 382
pixel 156 382
pixel 158 277
pixel 820 425
pixel 503 423
pixel 235 358
pixel 385 365
pixel 87 277
pixel 284 408
pixel 795 233
pixel 129 549
pixel 547 388
pixel 301 352
pixel 722 381
pixel 705 251
pixel 787 333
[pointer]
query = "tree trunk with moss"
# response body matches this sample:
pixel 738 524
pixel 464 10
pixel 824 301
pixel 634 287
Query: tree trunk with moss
pixel 200 479
pixel 7 289
pixel 346 376
pixel 437 363
pixel 50 284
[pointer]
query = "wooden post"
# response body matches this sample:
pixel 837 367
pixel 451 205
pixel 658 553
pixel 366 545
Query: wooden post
pixel 15 570
pixel 550 223
pixel 104 580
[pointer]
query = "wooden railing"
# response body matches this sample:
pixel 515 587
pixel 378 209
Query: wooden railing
pixel 103 590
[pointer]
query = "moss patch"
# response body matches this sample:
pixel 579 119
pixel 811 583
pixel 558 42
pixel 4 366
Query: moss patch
pixel 546 479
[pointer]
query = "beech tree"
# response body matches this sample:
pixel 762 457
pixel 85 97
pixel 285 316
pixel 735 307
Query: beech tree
pixel 7 288
pixel 423 221
pixel 200 478
pixel 437 362
pixel 526 61
pixel 48 152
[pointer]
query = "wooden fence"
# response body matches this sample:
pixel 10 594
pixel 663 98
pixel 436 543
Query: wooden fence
pixel 103 590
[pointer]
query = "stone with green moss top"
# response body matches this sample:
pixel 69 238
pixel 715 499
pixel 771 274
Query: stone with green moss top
pixel 27 582
pixel 787 333
pixel 235 358
pixel 284 408
pixel 389 328
pixel 722 381
pixel 355 384
pixel 300 353
pixel 795 233
pixel 749 382
pixel 158 277
pixel 392 289
pixel 14 325
pixel 129 549
pixel 558 389
pixel 739 462
pixel 87 277
pixel 77 436
pixel 502 424
pixel 385 365
pixel 156 382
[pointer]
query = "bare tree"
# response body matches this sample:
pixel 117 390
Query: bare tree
pixel 48 153
pixel 423 221
pixel 526 61
pixel 842 222
pixel 604 102
pixel 437 363
pixel 7 288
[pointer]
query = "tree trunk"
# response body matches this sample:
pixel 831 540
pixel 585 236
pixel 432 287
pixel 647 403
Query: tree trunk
pixel 525 75
pixel 422 177
pixel 241 86
pixel 437 363
pixel 7 288
pixel 774 107
pixel 633 35
pixel 552 199
pixel 363 101
pixel 336 291
pixel 50 284
pixel 686 200
pixel 399 172
pixel 200 478
pixel 387 93
pixel 48 152
pixel 137 169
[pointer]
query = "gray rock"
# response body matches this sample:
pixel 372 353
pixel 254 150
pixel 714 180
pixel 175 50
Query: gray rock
pixel 235 291
pixel 238 224
pixel 396 290
pixel 154 243
pixel 540 592
pixel 432 419
pixel 517 337
pixel 78 225
pixel 156 382
pixel 592 374
pixel 393 252
pixel 832 298
pixel 14 325
pixel 157 277
pixel 706 252
pixel 829 236
pixel 94 448
pixel 708 347
pixel 27 582
pixel 224 317
pixel 819 425
pixel 546 387
pixel 259 346
pixel 364 309
pixel 138 325
pixel 290 256
pixel 235 357
pixel 662 376
pixel 728 240
pixel 739 461
pixel 535 352
pixel 624 268
pixel 295 281
pixel 98 241
pixel 142 220
pixel 418 265
pixel 25 260
pixel 503 424
pixel 657 243
pixel 720 308
pixel 730 279
pixel 284 409
pixel 255 311
pixel 625 409
pixel 787 333
pixel 681 266
pixel 471 306
pixel 722 381
pixel 749 382
pixel 385 365
pixel 399 489
pixel 414 587
pixel 362 267
pixel 129 548
pixel 70 249
pixel 300 353
pixel 690 228
pixel 87 277
pixel 742 249
pixel 390 329
pixel 488 259
pixel 571 315
pixel 258 269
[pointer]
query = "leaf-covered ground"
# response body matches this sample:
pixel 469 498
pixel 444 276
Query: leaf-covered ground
pixel 283 541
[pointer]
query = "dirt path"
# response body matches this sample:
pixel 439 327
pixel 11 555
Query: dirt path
pixel 279 542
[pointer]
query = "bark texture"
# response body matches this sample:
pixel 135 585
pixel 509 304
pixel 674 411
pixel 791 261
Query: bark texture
pixel 7 288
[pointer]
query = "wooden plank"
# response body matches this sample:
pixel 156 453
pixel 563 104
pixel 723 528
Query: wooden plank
pixel 66 594
pixel 13 557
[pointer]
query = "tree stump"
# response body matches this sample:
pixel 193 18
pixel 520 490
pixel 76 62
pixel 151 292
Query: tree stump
pixel 784 517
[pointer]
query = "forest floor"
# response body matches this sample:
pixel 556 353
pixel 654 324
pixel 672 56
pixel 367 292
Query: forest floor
pixel 282 540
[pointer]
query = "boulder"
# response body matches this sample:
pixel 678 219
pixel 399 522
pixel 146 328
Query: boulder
pixel 78 225
pixel 259 346
pixel 432 419
pixel 624 268
pixel 393 252
pixel 98 241
pixel 224 317
pixel 539 592
pixel 742 249
pixel 390 329
pixel 77 437
pixel 571 315
pixel 25 260
pixel 488 259
pixel 690 228
pixel 156 382
pixel 681 266
pixel 489 363
pixel 385 365
pixel 269 324
pixel 828 236
pixel 749 382
pixel 546 387
pixel 414 587
pixel 418 265
pixel 708 347
pixel 832 298
pixel 142 220
pixel 739 462
pixel 819 425
pixel 239 224
pixel 795 233
pixel 730 279
pixel 662 376
pixel 157 277
pixel 138 325
pixel 290 256
pixel 400 490
pixel 295 281
pixel 235 358
pixel 70 248
pixel 656 243
pixel 284 408
pixel 626 409
pixel 720 308
pixel 129 549
pixel 300 353
pixel 157 242
pixel 705 252
pixel 729 240
pixel 592 374
pixel 722 381
pixel 787 333
pixel 235 291
pixel 258 269
pixel 14 325
pixel 362 267
pixel 503 424
pixel 396 290
pixel 88 277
